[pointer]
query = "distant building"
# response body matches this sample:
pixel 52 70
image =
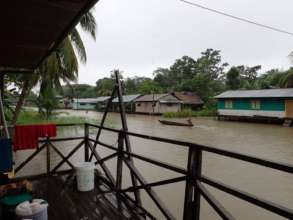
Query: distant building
pixel 90 103
pixel 66 103
pixel 157 104
pixel 189 100
pixel 129 103
pixel 266 103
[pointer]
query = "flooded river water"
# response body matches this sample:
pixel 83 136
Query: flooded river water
pixel 272 142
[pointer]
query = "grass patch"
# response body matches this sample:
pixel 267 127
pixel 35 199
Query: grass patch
pixel 33 117
pixel 189 113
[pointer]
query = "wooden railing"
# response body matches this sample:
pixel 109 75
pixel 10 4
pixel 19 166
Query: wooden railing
pixel 191 175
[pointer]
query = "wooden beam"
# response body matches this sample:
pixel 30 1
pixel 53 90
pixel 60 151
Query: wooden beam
pixel 67 157
pixel 153 195
pixel 30 158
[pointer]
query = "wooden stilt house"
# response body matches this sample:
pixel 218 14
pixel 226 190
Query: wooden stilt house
pixel 266 103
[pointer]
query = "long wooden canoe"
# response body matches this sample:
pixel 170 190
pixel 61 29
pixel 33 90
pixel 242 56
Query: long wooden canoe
pixel 188 123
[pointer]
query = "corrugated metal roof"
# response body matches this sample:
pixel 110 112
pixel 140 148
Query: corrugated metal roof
pixel 127 98
pixel 158 97
pixel 188 98
pixel 262 93
pixel 151 97
pixel 92 100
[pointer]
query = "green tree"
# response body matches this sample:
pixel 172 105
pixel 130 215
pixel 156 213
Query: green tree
pixel 131 85
pixel 183 69
pixel 233 80
pixel 271 79
pixel 105 86
pixel 209 79
pixel 47 101
pixel 79 91
pixel 249 76
pixel 287 79
pixel 61 65
pixel 162 76
pixel 149 87
pixel 210 63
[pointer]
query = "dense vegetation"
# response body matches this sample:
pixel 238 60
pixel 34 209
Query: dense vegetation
pixel 207 75
pixel 79 91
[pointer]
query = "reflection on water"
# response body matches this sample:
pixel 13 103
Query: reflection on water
pixel 272 142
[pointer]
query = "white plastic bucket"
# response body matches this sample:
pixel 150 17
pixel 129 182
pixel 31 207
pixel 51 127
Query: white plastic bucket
pixel 37 210
pixel 85 173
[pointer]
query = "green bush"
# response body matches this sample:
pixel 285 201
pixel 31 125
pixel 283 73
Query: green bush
pixel 187 113
pixel 182 114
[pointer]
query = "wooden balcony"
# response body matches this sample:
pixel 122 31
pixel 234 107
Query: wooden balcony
pixel 110 200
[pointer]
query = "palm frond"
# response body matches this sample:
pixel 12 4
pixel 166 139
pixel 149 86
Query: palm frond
pixel 78 45
pixel 68 61
pixel 88 24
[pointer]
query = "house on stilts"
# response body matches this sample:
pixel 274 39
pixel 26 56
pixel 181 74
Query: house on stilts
pixel 265 104
pixel 157 104
pixel 47 161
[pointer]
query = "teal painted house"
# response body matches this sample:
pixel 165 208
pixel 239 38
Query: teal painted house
pixel 90 103
pixel 271 103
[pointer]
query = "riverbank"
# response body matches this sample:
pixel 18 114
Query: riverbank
pixel 30 116
pixel 190 113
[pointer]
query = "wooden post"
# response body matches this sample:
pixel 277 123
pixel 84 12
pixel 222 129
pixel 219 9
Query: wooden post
pixel 192 194
pixel 104 118
pixel 2 114
pixel 48 155
pixel 125 128
pixel 2 76
pixel 120 160
pixel 86 143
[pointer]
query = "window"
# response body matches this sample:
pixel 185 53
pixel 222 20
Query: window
pixel 255 104
pixel 169 104
pixel 82 103
pixel 138 104
pixel 228 104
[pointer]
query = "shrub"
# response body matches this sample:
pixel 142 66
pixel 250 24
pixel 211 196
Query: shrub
pixel 207 111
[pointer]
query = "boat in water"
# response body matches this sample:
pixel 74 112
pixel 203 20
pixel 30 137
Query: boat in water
pixel 174 123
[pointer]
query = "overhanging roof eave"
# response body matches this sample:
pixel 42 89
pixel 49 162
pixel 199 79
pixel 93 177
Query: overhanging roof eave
pixel 31 52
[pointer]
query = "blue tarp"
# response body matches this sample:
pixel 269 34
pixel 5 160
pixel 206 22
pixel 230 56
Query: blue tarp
pixel 5 155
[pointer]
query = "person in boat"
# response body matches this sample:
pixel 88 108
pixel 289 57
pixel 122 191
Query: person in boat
pixel 189 121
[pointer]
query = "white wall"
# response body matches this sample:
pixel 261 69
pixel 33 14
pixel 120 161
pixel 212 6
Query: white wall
pixel 279 114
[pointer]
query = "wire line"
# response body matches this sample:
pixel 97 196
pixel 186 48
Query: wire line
pixel 238 18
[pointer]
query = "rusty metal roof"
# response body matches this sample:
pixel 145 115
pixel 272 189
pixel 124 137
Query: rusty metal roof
pixel 262 93
pixel 188 98
pixel 32 29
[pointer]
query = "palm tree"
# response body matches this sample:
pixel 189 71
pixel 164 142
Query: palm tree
pixel 61 65
pixel 287 79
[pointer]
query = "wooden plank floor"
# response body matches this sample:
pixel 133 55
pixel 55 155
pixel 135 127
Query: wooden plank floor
pixel 66 203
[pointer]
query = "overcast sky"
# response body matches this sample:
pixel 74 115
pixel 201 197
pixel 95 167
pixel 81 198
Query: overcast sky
pixel 137 36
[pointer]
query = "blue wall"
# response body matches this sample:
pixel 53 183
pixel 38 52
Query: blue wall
pixel 84 106
pixel 245 104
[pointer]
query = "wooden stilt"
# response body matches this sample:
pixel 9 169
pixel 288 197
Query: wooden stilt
pixel 126 137
pixel 2 114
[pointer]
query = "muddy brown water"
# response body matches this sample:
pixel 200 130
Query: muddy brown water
pixel 272 142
